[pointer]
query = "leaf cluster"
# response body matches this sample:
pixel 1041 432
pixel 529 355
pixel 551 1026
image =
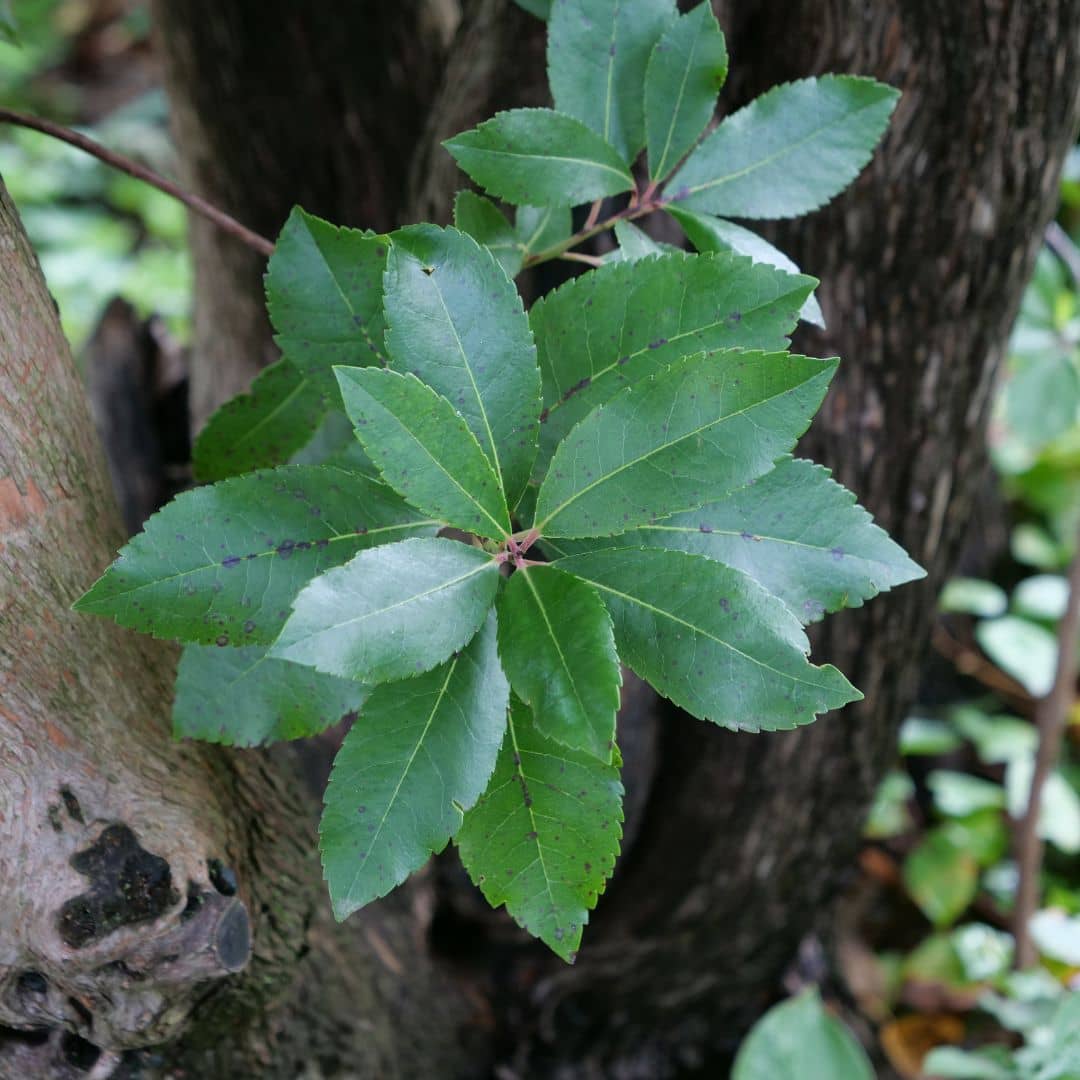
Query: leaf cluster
pixel 465 517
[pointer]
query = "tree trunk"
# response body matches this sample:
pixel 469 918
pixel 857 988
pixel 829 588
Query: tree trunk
pixel 151 890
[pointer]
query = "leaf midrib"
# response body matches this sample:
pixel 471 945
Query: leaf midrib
pixel 624 177
pixel 705 633
pixel 659 173
pixel 406 770
pixel 788 148
pixel 595 376
pixel 667 446
pixel 268 554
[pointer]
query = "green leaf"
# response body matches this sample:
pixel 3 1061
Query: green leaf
pixel 1042 399
pixel 424 449
pixel 540 157
pixel 686 70
pixel 708 233
pixel 793 530
pixel 242 697
pixel 419 756
pixel 324 294
pixel 1044 597
pixel 679 439
pixel 800 1040
pixel 541 227
pixel 942 876
pixel 221 564
pixel 544 837
pixel 557 647
pixel 635 243
pixel 456 322
pixel 391 613
pixel 972 596
pixel 711 639
pixel 1023 649
pixel 920 736
pixel 958 794
pixel 613 326
pixel 264 427
pixel 951 1063
pixel 487 225
pixel 597 54
pixel 789 151
pixel 1059 809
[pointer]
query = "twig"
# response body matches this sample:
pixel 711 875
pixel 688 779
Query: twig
pixel 971 663
pixel 140 172
pixel 581 257
pixel 1051 717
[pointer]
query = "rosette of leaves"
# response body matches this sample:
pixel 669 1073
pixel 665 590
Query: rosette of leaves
pixel 493 510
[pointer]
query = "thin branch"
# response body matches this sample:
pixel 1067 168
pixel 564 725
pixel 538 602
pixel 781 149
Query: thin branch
pixel 972 663
pixel 1051 718
pixel 581 257
pixel 140 172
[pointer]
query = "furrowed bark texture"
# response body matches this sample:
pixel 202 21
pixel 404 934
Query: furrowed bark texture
pixel 922 264
pixel 148 889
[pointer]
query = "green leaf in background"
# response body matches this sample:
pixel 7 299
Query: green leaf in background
pixel 324 294
pixel 1043 596
pixel 540 158
pixel 789 151
pixel 1057 935
pixel 612 327
pixel 1032 545
pixel 456 322
pixel 958 794
pixel 597 54
pixel 424 449
pixel 920 736
pixel 558 649
pixel 889 814
pixel 487 225
pixel 1023 649
pixel 686 70
pixel 941 876
pixel 679 439
pixel 951 1063
pixel 711 639
pixel 1042 399
pixel 544 837
pixel 1059 814
pixel 635 243
pixel 708 233
pixel 997 738
pixel 973 596
pixel 983 833
pixel 793 530
pixel 541 227
pixel 800 1040
pixel 221 564
pixel 242 697
pixel 264 427
pixel 419 756
pixel 392 612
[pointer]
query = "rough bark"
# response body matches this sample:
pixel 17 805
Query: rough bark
pixel 150 890
pixel 923 264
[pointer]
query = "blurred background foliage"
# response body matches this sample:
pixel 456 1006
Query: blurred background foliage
pixel 922 965
pixel 99 233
